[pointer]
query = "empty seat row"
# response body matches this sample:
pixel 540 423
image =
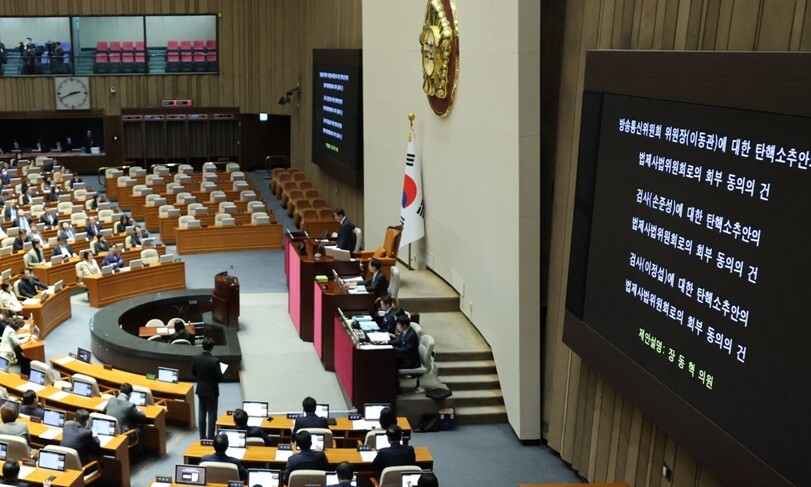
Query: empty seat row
pixel 113 63
pixel 120 47
pixel 189 46
pixel 191 62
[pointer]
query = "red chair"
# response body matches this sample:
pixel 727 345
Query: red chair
pixel 211 61
pixel 186 61
pixel 115 46
pixel 127 62
pixel 172 46
pixel 128 46
pixel 100 64
pixel 185 46
pixel 172 62
pixel 140 62
pixel 114 62
pixel 211 45
pixel 199 45
pixel 101 46
pixel 140 46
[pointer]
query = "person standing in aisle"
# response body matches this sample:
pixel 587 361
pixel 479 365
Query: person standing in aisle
pixel 206 367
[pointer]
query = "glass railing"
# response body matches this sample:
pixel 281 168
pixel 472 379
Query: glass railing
pixel 153 62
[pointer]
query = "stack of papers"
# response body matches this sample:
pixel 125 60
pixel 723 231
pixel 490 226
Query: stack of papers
pixel 50 433
pixel 283 455
pixel 104 439
pixel 31 301
pixel 353 279
pixel 368 326
pixel 58 396
pixel 378 336
pixel 238 453
pixel 368 456
pixel 358 290
pixel 321 278
pixel 64 360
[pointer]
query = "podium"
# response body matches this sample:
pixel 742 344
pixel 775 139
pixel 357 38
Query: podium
pixel 225 300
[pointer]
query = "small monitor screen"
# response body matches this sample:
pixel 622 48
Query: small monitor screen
pixel 81 388
pixel 107 269
pixel 167 258
pixel 58 285
pixel 332 479
pixel 138 398
pixel 3 451
pixel 410 479
pixel 3 364
pixel 190 475
pixel 52 460
pixel 83 355
pixel 167 375
pixel 54 418
pixel 104 427
pixel 37 377
pixel 322 410
pixel 136 263
pixel 371 411
pixel 263 477
pixel 236 438
pixel 255 408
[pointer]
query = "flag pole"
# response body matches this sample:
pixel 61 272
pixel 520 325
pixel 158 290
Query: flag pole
pixel 411 118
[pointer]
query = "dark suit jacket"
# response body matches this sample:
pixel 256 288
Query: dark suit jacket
pixel 394 456
pixel 29 288
pixel 19 242
pixel 181 334
pixel 92 230
pixel 306 460
pixel 69 234
pixel 63 250
pixel 101 246
pixel 407 346
pixel 80 439
pixel 125 412
pixel 389 321
pixel 310 420
pixel 344 483
pixel 377 284
pixel 346 236
pixel 257 432
pixel 216 457
pixel 206 368
pixel 49 220
pixel 32 411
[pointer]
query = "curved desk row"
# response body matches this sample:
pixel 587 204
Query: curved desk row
pixel 153 224
pixel 107 289
pixel 49 314
pixel 229 238
pixel 66 271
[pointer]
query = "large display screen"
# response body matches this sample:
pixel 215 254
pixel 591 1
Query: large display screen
pixel 337 113
pixel 694 256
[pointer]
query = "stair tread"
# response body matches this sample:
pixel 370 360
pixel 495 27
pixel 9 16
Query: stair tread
pixel 469 378
pixel 465 363
pixel 477 393
pixel 472 410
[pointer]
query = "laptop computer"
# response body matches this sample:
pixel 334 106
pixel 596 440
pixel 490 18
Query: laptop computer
pixel 105 428
pixel 190 475
pixel 189 224
pixel 410 479
pixel 37 377
pixel 4 364
pixel 264 477
pixel 322 410
pixel 107 232
pixel 167 258
pixel 51 460
pixel 83 355
pixel 3 451
pixel 82 388
pixel 138 398
pixel 6 250
pixel 27 246
pixel 332 479
pixel 104 205
pixel 227 222
pixel 148 243
pixel 54 418
pixel 80 236
pixel 136 263
pixel 261 220
pixel 6 275
pixel 58 259
pixel 78 186
pixel 107 269
pixel 166 374
pixel 58 285
pixel 257 411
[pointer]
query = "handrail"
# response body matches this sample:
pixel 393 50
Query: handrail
pixel 285 160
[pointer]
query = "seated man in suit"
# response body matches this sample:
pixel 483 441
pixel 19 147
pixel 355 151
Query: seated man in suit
pixel 62 248
pixel 406 344
pixel 92 228
pixel 310 419
pixel 241 422
pixel 31 405
pixel 76 179
pixel 345 471
pixel 388 319
pixel 307 459
pixel 396 454
pixel 29 284
pixel 127 414
pixel 10 211
pixel 113 257
pixel 10 426
pixel 377 282
pixel 11 474
pixel 25 197
pixel 428 479
pixel 76 435
pixel 220 445
pixel 66 231
pixel 181 333
pixel 100 244
pixel 49 218
pixel 23 220
pixel 346 231
pixel 20 240
pixel 138 236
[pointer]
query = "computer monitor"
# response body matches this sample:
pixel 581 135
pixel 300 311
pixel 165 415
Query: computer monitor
pixel 51 460
pixel 83 355
pixel 4 364
pixel 255 408
pixel 104 205
pixel 148 242
pixel 136 263
pixel 261 220
pixel 322 410
pixel 382 441
pixel 6 275
pixel 318 443
pixel 107 232
pixel 35 331
pixel 13 231
pixel 27 246
pixel 236 438
pixel 167 258
pixel 410 479
pixel 138 398
pixel 82 388
pixel 80 236
pixel 200 211
pixel 103 427
pixel 129 229
pixel 264 477
pixel 227 222
pixel 58 285
pixel 37 200
pixel 371 411
pixel 36 377
pixel 332 479
pixel 107 269
pixel 78 186
pixel 190 475
pixel 166 374
pixel 65 197
pixel 57 259
pixel 6 250
pixel 3 451
pixel 189 224
pixel 53 417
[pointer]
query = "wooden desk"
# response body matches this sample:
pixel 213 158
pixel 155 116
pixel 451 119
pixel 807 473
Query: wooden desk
pixel 327 298
pixel 164 331
pixel 154 432
pixel 228 239
pixel 179 397
pixel 301 272
pixel 343 431
pixel 265 457
pixel 34 349
pixel 168 225
pixel 50 314
pixel 110 288
pixel 114 457
pixel 365 374
pixel 68 478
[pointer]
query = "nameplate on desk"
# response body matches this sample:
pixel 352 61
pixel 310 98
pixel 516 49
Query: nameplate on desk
pixel 285 447
pixel 163 478
pixel 354 417
pixel 35 419
pixel 235 483
pixel 207 442
pixel 364 448
pixel 292 415
pixel 229 413
pixel 23 377
pixel 71 355
pixel 150 376
pixel 29 462
pixel 108 367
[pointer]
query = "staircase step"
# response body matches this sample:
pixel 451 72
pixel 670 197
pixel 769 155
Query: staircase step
pixel 466 367
pixel 470 382
pixel 480 414
pixel 478 397
pixel 456 356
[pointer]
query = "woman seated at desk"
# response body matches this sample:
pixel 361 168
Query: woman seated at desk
pixel 87 267
pixel 8 300
pixel 10 346
pixel 34 256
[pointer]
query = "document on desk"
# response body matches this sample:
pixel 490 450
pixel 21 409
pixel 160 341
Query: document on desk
pixel 223 367
pixel 31 301
pixel 364 425
pixel 368 456
pixel 104 439
pixel 50 433
pixel 373 347
pixel 353 279
pixel 378 336
pixel 358 290
pixel 64 360
pixel 25 471
pixel 30 385
pixel 283 455
pixel 162 330
pixel 238 453
pixel 58 396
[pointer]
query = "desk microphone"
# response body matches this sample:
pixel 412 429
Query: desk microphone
pixel 318 250
pixel 306 234
pixel 289 234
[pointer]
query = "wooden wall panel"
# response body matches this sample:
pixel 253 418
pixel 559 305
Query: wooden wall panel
pixel 602 435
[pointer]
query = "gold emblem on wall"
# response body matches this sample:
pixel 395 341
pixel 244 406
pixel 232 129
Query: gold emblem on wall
pixel 440 55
